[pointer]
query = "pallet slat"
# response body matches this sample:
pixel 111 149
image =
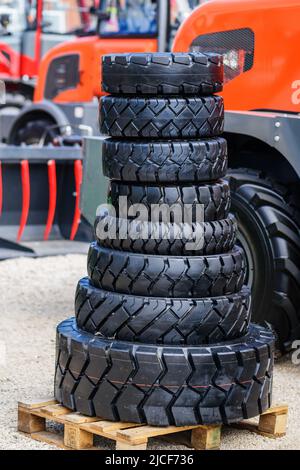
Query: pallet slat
pixel 54 410
pixel 142 434
pixel 108 426
pixel 77 418
pixel 276 410
pixel 79 430
pixel 33 404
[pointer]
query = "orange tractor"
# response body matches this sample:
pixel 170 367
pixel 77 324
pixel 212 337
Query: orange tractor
pixel 259 41
pixel 69 74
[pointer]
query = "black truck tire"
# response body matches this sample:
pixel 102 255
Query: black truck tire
pixel 214 197
pixel 165 162
pixel 206 238
pixel 164 385
pixel 162 276
pixel 193 73
pixel 112 315
pixel 32 132
pixel 269 230
pixel 156 118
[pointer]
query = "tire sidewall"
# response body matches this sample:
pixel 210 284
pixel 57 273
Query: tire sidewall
pixel 252 227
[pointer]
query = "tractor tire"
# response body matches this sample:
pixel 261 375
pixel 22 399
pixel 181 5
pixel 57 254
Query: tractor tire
pixel 203 238
pixel 156 118
pixel 269 231
pixel 192 73
pixel 205 203
pixel 31 133
pixel 164 385
pixel 161 320
pixel 164 276
pixel 165 162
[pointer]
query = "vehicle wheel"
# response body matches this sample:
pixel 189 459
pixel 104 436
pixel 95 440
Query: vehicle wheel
pixel 162 276
pixel 156 118
pixel 158 320
pixel 31 132
pixel 165 162
pixel 269 220
pixel 203 238
pixel 164 385
pixel 162 73
pixel 205 202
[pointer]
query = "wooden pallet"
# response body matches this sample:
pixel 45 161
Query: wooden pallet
pixel 79 430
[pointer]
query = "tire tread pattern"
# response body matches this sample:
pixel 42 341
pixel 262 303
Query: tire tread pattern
pixel 277 207
pixel 214 197
pixel 213 237
pixel 161 320
pixel 155 118
pixel 164 276
pixel 165 162
pixel 164 385
pixel 162 74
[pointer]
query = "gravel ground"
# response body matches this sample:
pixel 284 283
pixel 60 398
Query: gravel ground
pixel 35 295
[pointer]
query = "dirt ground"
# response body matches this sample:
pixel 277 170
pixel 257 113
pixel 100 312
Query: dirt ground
pixel 35 295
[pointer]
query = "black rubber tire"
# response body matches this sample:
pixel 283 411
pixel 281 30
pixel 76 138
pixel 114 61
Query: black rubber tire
pixel 269 229
pixel 215 198
pixel 31 132
pixel 206 238
pixel 156 118
pixel 166 276
pixel 193 73
pixel 161 320
pixel 165 162
pixel 164 385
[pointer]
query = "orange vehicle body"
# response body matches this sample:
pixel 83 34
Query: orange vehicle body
pixel 69 78
pixel 90 50
pixel 11 68
pixel 273 81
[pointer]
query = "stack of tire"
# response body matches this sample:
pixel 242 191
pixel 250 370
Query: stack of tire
pixel 162 334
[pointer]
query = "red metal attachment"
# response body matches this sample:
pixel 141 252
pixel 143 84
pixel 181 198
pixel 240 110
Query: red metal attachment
pixel 25 178
pixel 1 189
pixel 52 197
pixel 78 180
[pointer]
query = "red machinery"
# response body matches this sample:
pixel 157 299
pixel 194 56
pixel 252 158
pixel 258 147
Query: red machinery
pixel 28 29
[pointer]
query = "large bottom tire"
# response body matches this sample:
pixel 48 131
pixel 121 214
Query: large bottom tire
pixel 159 320
pixel 269 231
pixel 163 276
pixel 168 385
